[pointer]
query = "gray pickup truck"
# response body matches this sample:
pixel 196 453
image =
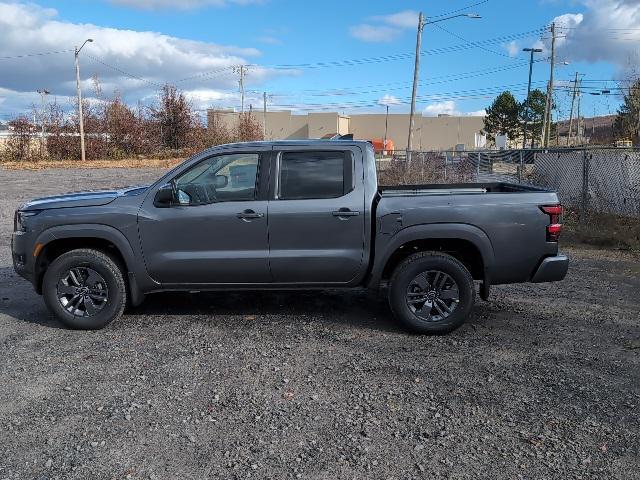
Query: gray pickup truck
pixel 287 215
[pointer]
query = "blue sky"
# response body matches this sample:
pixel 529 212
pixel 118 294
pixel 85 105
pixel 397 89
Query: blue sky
pixel 140 44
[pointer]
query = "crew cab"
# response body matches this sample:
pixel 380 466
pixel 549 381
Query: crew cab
pixel 287 215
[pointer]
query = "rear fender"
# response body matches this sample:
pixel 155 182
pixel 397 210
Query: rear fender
pixel 459 231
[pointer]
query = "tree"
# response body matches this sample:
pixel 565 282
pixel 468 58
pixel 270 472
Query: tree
pixel 536 106
pixel 627 123
pixel 174 117
pixel 20 143
pixel 503 117
pixel 248 128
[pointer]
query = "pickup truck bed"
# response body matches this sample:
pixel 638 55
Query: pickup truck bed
pixel 456 188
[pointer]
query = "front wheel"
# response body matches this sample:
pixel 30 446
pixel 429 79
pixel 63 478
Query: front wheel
pixel 85 289
pixel 431 292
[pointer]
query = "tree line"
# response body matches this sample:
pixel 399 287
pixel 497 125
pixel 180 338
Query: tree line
pixel 506 116
pixel 115 130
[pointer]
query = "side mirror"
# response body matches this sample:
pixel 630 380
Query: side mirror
pixel 164 196
pixel 221 181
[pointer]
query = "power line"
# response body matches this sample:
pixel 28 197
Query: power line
pixel 487 92
pixel 458 10
pixel 39 54
pixel 125 73
pixel 465 40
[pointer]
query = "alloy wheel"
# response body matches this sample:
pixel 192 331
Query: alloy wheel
pixel 433 295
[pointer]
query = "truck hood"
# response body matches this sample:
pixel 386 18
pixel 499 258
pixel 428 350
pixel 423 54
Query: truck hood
pixel 82 199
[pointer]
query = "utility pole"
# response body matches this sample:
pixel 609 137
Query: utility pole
pixel 526 102
pixel 416 70
pixel 43 93
pixel 386 129
pixel 578 127
pixel 264 115
pixel 546 126
pixel 573 101
pixel 77 52
pixel 414 91
pixel 241 71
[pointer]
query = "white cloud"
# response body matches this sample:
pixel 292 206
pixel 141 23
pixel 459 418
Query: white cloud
pixel 178 4
pixel 609 31
pixel 270 40
pixel 152 56
pixel 385 28
pixel 447 107
pixel 371 33
pixel 513 48
pixel 404 19
pixel 389 100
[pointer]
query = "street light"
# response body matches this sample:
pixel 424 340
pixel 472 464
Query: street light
pixel 43 93
pixel 77 52
pixel 526 102
pixel 421 24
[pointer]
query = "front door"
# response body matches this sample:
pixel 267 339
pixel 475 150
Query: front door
pixel 215 230
pixel 316 215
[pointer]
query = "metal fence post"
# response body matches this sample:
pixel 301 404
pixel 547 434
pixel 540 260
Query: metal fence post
pixel 478 167
pixel 520 167
pixel 585 187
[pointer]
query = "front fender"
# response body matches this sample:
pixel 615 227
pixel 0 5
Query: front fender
pixel 138 279
pixel 103 232
pixel 385 247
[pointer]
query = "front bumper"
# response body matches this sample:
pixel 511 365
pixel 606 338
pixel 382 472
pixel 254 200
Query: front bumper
pixel 551 269
pixel 23 262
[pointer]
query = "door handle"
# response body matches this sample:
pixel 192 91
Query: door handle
pixel 345 212
pixel 249 215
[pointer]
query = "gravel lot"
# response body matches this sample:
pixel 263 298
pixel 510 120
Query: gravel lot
pixel 543 382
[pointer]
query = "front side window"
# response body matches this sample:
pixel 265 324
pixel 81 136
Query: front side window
pixel 224 178
pixel 309 175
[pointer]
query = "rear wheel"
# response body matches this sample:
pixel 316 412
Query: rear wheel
pixel 431 292
pixel 85 289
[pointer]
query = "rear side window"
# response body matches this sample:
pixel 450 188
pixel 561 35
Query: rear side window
pixel 309 175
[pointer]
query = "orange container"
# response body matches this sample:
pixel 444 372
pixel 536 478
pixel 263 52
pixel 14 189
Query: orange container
pixel 378 145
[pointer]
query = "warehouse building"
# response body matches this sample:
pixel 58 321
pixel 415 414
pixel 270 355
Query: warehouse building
pixel 430 133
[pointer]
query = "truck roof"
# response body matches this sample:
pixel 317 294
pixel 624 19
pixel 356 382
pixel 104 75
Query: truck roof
pixel 314 142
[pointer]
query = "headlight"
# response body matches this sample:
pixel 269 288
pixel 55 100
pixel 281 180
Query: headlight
pixel 20 219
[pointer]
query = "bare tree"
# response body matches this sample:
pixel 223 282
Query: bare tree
pixel 174 118
pixel 248 128
pixel 19 145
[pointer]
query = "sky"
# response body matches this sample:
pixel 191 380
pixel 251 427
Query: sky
pixel 352 56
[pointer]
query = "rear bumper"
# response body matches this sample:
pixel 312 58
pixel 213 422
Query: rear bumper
pixel 552 269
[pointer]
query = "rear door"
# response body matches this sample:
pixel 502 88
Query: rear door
pixel 316 215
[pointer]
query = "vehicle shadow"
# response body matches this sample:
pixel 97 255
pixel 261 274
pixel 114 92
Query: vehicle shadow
pixel 18 300
pixel 359 308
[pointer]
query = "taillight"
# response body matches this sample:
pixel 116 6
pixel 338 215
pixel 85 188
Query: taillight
pixel 555 226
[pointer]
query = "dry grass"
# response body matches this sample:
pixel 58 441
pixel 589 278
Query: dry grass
pixel 125 163
pixel 602 230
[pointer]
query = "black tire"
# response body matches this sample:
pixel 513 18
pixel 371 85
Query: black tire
pixel 95 309
pixel 429 263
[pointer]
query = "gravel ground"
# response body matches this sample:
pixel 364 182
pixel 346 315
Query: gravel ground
pixel 542 382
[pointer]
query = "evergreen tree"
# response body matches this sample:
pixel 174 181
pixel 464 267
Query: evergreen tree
pixel 503 117
pixel 627 123
pixel 535 109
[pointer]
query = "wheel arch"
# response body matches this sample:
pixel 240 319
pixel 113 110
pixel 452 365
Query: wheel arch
pixel 64 238
pixel 467 243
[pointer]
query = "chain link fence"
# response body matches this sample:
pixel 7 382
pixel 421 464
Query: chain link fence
pixel 602 180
